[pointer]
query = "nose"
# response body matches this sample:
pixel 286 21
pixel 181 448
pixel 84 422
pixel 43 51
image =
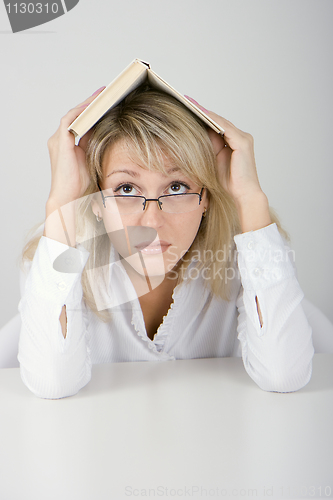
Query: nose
pixel 152 216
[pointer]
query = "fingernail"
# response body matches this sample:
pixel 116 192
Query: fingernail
pixel 204 110
pixel 190 99
pixel 84 105
pixel 97 91
pixel 197 104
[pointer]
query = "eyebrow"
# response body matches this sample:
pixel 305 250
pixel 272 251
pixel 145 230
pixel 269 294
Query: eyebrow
pixel 136 174
pixel 124 171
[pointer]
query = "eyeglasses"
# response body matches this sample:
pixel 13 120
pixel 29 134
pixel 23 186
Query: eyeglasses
pixel 169 203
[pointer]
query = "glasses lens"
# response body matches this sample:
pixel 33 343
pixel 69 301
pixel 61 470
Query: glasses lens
pixel 124 204
pixel 179 203
pixel 172 204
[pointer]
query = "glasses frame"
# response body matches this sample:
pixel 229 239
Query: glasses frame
pixel 145 204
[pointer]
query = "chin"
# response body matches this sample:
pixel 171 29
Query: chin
pixel 151 266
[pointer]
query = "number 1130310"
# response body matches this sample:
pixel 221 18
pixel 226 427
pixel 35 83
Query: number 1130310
pixel 32 8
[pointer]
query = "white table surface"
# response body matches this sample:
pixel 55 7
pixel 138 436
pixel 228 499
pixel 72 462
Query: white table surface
pixel 177 429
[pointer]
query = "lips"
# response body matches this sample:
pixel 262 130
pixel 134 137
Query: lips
pixel 154 247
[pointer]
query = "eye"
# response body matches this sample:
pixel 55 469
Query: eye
pixel 125 189
pixel 178 188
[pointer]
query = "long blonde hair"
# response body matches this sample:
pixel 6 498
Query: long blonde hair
pixel 155 126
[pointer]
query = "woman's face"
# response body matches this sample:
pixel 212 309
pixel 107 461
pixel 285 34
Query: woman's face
pixel 161 238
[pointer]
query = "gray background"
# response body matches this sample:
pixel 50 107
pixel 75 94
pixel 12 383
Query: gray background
pixel 264 65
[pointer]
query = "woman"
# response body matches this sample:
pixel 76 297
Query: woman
pixel 158 244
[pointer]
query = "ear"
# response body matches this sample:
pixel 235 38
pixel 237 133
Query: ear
pixel 95 207
pixel 205 200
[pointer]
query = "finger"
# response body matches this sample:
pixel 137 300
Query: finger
pixel 217 141
pixel 233 136
pixel 193 101
pixel 77 110
pixel 89 99
pixel 84 140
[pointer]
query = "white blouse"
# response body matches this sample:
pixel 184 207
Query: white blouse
pixel 276 348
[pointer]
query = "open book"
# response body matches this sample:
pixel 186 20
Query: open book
pixel 137 73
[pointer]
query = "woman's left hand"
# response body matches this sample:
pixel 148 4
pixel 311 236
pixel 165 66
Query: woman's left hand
pixel 237 172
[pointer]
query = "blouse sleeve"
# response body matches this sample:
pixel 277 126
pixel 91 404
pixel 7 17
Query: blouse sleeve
pixel 53 366
pixel 275 336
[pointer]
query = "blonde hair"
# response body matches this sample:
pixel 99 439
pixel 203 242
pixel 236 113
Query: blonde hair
pixel 156 127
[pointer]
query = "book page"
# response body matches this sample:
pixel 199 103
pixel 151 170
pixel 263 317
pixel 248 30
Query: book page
pixel 133 76
pixel 157 82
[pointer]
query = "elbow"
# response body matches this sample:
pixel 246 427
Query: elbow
pixel 52 388
pixel 285 380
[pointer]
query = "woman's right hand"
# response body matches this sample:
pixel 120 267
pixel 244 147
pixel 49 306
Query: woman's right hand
pixel 70 177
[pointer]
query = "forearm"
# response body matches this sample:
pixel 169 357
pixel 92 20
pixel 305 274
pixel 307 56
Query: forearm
pixel 53 366
pixel 277 344
pixel 277 354
pixel 253 212
pixel 60 222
